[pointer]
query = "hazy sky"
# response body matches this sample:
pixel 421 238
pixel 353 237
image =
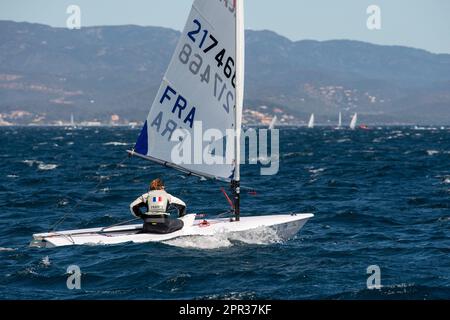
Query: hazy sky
pixel 416 23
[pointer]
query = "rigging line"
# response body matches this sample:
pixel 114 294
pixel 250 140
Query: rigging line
pixel 119 224
pixel 71 210
pixel 227 197
pixel 220 215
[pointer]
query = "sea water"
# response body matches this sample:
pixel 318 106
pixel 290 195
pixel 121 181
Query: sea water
pixel 380 197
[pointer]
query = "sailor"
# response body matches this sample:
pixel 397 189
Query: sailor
pixel 156 203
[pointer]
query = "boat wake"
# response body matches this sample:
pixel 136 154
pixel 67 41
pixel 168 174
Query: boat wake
pixel 201 242
pixel 257 236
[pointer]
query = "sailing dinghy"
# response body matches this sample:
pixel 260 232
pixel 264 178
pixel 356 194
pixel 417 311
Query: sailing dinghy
pixel 339 127
pixel 272 123
pixel 353 122
pixel 311 122
pixel 203 84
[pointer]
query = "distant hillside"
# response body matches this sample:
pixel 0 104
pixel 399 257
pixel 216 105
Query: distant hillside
pixel 98 71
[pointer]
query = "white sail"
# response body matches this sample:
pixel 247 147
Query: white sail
pixel 72 121
pixel 311 122
pixel 238 7
pixel 353 122
pixel 272 124
pixel 340 120
pixel 199 91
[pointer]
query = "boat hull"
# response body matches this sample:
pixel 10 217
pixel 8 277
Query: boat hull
pixel 283 226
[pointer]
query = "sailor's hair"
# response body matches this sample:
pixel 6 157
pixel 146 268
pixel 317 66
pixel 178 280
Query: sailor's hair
pixel 156 184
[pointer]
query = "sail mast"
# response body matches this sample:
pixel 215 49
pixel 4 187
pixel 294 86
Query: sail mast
pixel 240 47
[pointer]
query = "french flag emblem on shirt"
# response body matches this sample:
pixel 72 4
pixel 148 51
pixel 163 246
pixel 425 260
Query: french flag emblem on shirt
pixel 157 199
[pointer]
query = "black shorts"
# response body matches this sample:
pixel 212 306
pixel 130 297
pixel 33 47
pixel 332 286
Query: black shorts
pixel 161 225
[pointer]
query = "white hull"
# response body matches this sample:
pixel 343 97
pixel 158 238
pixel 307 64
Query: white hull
pixel 285 227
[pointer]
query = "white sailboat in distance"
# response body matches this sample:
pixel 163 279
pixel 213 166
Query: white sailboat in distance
pixel 339 121
pixel 204 82
pixel 353 122
pixel 311 121
pixel 272 124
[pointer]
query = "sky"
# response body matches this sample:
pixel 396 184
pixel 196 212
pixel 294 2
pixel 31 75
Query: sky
pixel 423 24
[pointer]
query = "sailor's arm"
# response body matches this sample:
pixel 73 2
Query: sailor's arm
pixel 137 205
pixel 178 204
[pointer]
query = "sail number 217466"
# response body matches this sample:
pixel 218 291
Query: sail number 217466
pixel 194 60
pixel 208 42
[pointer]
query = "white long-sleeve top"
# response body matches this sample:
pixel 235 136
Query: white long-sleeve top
pixel 146 197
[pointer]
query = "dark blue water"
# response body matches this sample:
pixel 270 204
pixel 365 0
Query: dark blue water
pixel 380 197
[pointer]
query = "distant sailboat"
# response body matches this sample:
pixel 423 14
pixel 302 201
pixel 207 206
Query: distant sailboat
pixel 353 122
pixel 311 122
pixel 72 121
pixel 339 126
pixel 272 124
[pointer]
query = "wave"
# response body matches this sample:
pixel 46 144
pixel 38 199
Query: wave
pixel 30 162
pixel 200 242
pixel 45 261
pixel 316 171
pixel 43 166
pixel 7 249
pixel 296 154
pixel 432 152
pixel 115 143
pixel 257 236
pixel 40 164
pixel 231 296
pixel 397 291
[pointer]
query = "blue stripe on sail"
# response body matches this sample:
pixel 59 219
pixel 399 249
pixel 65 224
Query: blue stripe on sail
pixel 142 142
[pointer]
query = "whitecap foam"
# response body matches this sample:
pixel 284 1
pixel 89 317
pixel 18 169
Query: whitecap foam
pixel 46 261
pixel 316 171
pixel 432 152
pixel 43 166
pixel 7 249
pixel 31 162
pixel 257 236
pixel 115 143
pixel 201 242
pixel 233 296
pixel 12 176
pixel 63 202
